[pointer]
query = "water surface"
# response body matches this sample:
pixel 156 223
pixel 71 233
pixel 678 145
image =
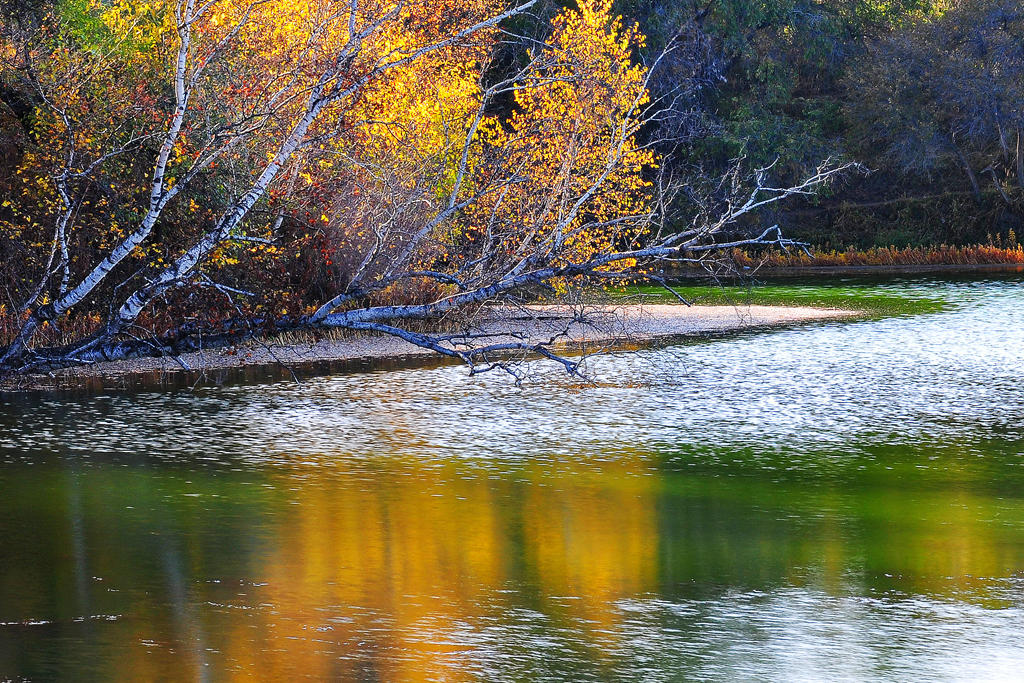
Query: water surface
pixel 838 501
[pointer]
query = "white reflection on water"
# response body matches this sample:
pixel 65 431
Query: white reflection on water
pixel 787 634
pixel 797 634
pixel 953 376
pixel 804 399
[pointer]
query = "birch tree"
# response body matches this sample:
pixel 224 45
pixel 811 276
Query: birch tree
pixel 368 142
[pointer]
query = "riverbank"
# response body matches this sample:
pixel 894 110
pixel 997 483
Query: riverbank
pixel 931 259
pixel 799 271
pixel 588 329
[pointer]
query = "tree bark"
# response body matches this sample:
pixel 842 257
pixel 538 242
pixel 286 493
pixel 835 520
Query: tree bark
pixel 1020 161
pixel 975 186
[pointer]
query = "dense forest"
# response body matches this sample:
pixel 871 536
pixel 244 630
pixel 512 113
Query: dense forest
pixel 179 173
pixel 927 94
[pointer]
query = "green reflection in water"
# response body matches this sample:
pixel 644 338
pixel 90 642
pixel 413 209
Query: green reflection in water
pixel 400 572
pixel 870 298
pixel 838 502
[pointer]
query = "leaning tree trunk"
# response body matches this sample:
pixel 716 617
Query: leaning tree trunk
pixel 966 164
pixel 1020 162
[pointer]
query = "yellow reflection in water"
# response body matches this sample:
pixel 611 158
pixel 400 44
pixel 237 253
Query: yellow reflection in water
pixel 404 571
pixel 412 557
pixel 593 545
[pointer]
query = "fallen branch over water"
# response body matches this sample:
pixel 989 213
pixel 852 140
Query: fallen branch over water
pixel 499 340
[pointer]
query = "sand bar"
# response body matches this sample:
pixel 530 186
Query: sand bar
pixel 602 327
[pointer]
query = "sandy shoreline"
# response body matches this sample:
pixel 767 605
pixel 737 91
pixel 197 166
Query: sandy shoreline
pixel 604 327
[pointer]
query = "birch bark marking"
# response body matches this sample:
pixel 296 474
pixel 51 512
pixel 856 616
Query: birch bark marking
pixel 158 199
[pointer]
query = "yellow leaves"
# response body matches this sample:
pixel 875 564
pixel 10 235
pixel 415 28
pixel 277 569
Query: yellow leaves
pixel 573 133
pixel 390 155
pixel 140 29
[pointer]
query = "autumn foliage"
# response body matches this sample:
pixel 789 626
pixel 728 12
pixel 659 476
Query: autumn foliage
pixel 562 131
pixel 174 162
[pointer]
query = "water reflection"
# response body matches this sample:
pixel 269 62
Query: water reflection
pixel 336 576
pixel 841 501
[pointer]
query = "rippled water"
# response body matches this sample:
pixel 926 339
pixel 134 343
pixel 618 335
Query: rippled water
pixel 840 501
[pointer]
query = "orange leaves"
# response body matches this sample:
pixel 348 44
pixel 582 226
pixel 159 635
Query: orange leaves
pixel 943 254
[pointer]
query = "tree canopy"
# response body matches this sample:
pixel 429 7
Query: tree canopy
pixel 179 170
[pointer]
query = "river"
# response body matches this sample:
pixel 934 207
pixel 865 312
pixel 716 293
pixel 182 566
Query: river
pixel 836 501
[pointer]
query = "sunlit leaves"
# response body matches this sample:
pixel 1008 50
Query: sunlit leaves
pixel 405 129
pixel 572 138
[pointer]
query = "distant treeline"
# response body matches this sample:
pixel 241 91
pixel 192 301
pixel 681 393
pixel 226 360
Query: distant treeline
pixel 928 94
pixel 178 173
